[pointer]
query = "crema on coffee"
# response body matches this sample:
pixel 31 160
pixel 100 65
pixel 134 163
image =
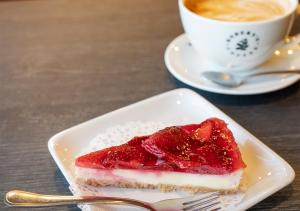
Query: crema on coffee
pixel 237 10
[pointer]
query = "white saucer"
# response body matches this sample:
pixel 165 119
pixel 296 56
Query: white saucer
pixel 186 65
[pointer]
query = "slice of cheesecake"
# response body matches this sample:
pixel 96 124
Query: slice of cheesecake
pixel 197 157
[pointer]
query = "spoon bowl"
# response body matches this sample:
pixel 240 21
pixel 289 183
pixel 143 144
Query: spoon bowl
pixel 223 78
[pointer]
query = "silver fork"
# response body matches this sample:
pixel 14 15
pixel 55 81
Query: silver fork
pixel 205 201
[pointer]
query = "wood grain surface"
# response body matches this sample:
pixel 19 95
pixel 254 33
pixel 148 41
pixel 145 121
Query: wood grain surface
pixel 63 62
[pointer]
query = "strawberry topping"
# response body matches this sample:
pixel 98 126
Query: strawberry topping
pixel 206 148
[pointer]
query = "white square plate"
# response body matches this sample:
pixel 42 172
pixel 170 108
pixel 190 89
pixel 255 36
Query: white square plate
pixel 266 171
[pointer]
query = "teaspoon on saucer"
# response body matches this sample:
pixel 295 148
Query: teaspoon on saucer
pixel 235 80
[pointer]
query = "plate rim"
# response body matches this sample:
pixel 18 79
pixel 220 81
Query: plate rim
pixel 242 206
pixel 220 90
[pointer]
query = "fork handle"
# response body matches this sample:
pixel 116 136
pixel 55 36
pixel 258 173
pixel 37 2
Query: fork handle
pixel 28 199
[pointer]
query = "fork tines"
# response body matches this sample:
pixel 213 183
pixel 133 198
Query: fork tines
pixel 204 202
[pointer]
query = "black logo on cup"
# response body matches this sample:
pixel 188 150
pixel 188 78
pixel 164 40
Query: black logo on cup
pixel 242 44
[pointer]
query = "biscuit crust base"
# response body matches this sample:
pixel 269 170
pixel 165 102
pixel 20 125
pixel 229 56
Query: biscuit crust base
pixel 161 187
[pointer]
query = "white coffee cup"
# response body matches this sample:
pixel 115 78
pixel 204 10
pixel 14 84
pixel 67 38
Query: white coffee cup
pixel 217 40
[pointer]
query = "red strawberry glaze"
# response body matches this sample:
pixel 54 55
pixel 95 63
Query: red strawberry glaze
pixel 130 156
pixel 206 148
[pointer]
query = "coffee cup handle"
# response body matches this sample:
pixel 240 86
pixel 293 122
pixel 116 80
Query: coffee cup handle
pixel 293 40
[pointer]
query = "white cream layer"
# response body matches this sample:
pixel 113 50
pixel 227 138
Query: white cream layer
pixel 221 182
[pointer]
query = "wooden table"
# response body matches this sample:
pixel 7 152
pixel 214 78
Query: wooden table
pixel 63 62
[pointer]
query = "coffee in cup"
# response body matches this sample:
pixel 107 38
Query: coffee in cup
pixel 238 10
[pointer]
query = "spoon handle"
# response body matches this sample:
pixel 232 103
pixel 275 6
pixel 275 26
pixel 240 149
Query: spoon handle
pixel 27 199
pixel 276 72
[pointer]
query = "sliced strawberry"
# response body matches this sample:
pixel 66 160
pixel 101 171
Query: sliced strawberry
pixel 137 141
pixel 190 128
pixel 204 131
pixel 169 142
pixel 174 145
